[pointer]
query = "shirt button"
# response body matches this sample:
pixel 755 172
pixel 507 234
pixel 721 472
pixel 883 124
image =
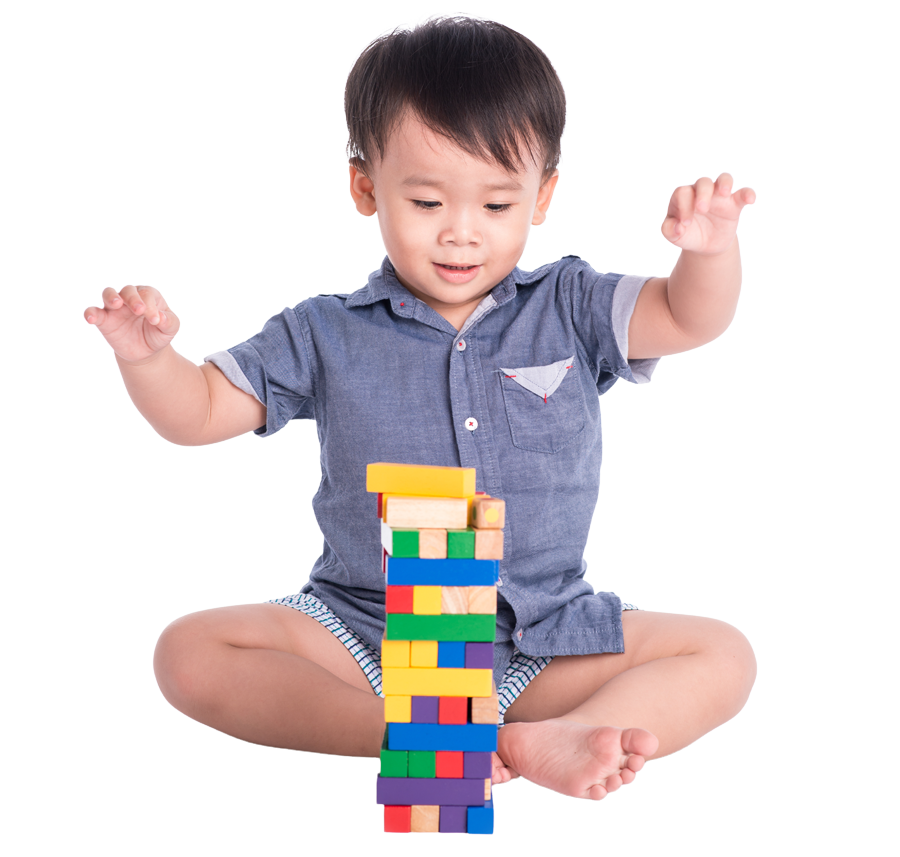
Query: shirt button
pixel 461 345
pixel 519 635
pixel 471 424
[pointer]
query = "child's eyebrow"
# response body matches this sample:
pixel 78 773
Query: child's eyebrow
pixel 425 181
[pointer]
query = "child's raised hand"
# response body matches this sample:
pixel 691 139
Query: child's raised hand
pixel 136 322
pixel 703 217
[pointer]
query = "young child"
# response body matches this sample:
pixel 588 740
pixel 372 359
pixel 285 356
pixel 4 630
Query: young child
pixel 455 136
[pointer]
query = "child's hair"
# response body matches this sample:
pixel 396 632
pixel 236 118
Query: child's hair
pixel 484 86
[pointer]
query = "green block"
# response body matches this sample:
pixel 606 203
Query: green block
pixel 469 628
pixel 422 763
pixel 405 543
pixel 461 544
pixel 394 763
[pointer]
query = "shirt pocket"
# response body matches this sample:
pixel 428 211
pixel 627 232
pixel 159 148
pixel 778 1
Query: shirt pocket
pixel 544 405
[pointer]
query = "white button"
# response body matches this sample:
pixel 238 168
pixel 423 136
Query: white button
pixel 519 635
pixel 461 345
pixel 471 424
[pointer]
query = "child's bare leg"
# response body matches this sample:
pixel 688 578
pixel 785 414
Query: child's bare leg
pixel 271 675
pixel 585 725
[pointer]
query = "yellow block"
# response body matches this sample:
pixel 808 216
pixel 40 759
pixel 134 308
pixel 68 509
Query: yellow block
pixel 423 653
pixel 397 709
pixel 427 600
pixel 423 480
pixel 424 513
pixel 436 682
pixel 395 653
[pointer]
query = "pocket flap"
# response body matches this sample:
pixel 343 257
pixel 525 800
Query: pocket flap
pixel 540 380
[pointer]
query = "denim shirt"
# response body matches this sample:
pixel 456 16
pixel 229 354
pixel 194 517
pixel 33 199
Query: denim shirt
pixel 513 394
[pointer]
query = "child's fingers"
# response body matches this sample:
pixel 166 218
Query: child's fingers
pixel 724 183
pixel 168 322
pixel 142 300
pixel 745 196
pixel 703 191
pixel 111 299
pixel 95 315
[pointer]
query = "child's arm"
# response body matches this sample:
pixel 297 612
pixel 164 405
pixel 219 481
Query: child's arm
pixel 697 301
pixel 186 404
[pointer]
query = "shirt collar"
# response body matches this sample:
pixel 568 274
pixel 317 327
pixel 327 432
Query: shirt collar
pixel 384 285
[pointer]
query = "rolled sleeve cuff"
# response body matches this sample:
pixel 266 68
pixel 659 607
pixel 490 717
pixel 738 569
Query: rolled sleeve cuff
pixel 230 369
pixel 627 290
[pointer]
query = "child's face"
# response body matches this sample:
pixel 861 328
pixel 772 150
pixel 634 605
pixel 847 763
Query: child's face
pixel 453 225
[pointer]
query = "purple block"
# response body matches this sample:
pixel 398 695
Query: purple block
pixel 479 656
pixel 453 819
pixel 421 791
pixel 477 765
pixel 425 709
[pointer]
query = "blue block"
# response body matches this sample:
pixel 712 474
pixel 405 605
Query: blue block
pixel 480 819
pixel 475 737
pixel 452 654
pixel 406 571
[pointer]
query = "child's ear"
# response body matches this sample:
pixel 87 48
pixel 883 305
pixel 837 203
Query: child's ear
pixel 361 189
pixel 545 194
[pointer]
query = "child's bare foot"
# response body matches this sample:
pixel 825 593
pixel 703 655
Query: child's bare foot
pixel 501 772
pixel 574 758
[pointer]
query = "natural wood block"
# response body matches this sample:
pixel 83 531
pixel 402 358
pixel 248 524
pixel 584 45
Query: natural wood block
pixel 482 599
pixel 423 653
pixel 425 480
pixel 398 709
pixel 427 600
pixel 455 599
pixel 488 513
pixel 395 653
pixel 425 819
pixel 488 544
pixel 486 709
pixel 432 544
pixel 487 789
pixel 425 513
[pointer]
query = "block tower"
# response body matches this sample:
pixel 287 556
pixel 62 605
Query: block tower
pixel 442 545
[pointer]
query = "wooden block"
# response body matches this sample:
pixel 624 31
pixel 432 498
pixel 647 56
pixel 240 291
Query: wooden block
pixel 441 572
pixel 455 599
pixel 397 791
pixel 436 682
pixel 395 653
pixel 487 789
pixel 483 599
pixel 422 764
pixel 488 544
pixel 488 513
pixel 432 544
pixel 475 629
pixel 480 819
pixel 477 765
pixel 485 709
pixel 398 599
pixel 400 542
pixel 427 601
pixel 461 544
pixel 453 654
pixel 425 709
pixel 447 763
pixel 397 709
pixel 453 819
pixel 471 737
pixel 478 656
pixel 453 709
pixel 425 819
pixel 421 513
pixel 397 819
pixel 423 653
pixel 425 480
pixel 394 763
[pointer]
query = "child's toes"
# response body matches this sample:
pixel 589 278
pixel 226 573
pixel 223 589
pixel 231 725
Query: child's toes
pixel 596 793
pixel 627 776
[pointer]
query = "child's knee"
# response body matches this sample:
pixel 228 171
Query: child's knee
pixel 736 663
pixel 175 662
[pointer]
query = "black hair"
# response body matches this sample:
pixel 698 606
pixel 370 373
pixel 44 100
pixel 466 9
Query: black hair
pixel 481 85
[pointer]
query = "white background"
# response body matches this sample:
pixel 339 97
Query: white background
pixel 199 147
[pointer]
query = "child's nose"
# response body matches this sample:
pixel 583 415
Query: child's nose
pixel 460 232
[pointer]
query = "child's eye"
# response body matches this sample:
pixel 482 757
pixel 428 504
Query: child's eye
pixel 497 207
pixel 427 204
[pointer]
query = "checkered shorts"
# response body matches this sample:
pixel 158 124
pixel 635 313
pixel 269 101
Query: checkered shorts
pixel 519 674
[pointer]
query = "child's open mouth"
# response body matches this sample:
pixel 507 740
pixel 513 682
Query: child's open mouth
pixel 457 273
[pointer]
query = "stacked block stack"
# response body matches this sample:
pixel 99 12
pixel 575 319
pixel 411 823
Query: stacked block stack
pixel 442 545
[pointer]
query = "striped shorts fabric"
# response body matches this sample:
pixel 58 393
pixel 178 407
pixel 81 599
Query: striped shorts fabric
pixel 521 671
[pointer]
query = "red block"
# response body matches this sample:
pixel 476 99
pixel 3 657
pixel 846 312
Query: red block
pixel 380 515
pixel 399 599
pixel 397 819
pixel 448 763
pixel 452 709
